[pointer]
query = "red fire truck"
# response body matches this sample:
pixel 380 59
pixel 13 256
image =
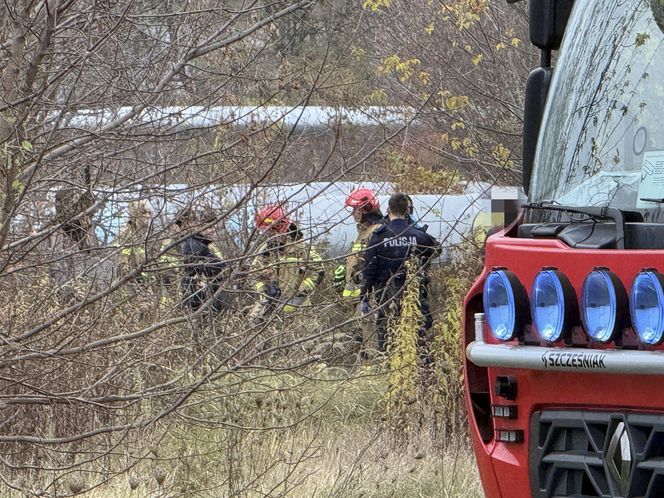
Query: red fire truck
pixel 564 330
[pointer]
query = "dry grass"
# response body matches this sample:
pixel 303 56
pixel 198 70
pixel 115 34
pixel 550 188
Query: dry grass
pixel 345 463
pixel 280 424
pixel 334 441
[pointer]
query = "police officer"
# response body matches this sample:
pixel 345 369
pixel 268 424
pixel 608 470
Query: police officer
pixel 286 269
pixel 425 279
pixel 384 272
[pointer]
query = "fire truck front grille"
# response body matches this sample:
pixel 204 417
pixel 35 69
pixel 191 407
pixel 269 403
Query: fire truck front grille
pixel 585 454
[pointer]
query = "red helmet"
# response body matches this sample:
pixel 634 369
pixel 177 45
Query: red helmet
pixel 363 198
pixel 273 217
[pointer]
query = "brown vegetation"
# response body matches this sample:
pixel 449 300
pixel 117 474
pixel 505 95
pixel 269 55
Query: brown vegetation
pixel 106 382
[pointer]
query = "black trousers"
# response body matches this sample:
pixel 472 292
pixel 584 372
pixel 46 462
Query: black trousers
pixel 197 291
pixel 388 301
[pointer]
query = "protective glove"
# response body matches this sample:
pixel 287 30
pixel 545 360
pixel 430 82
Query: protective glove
pixel 272 290
pixel 340 278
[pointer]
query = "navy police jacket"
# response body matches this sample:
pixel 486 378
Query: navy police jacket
pixel 388 250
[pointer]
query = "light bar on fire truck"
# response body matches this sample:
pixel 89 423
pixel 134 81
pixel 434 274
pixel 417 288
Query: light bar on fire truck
pixel 567 359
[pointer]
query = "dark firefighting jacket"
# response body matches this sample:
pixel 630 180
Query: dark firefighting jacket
pixel 201 268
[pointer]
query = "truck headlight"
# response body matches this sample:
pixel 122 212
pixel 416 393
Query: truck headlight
pixel 505 304
pixel 552 304
pixel 646 306
pixel 603 304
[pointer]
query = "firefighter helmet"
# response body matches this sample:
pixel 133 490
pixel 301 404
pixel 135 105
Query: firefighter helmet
pixel 273 217
pixel 138 213
pixel 363 198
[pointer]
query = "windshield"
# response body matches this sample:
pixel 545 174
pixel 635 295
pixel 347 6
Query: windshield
pixel 602 138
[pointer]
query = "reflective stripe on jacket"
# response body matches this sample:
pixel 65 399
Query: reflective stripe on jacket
pixel 355 260
pixel 293 266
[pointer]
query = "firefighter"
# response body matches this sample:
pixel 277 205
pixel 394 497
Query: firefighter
pixel 367 215
pixel 348 276
pixel 133 237
pixel 73 214
pixel 384 275
pixel 286 269
pixel 202 265
pixel 169 259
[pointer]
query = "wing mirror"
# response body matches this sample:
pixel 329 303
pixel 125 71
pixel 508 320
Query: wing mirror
pixel 548 19
pixel 537 88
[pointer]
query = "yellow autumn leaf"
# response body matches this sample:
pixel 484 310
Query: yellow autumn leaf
pixel 389 64
pixel 377 96
pixel 375 5
pixel 501 46
pixel 458 125
pixel 471 151
pixel 502 155
pixel 641 39
pixel 403 68
pixel 476 59
pixel 429 29
pixel 454 103
pixel 358 52
pixel 17 186
pixel 515 42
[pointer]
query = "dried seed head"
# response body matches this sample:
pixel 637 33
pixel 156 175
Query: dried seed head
pixel 159 474
pixel 133 482
pixel 76 485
